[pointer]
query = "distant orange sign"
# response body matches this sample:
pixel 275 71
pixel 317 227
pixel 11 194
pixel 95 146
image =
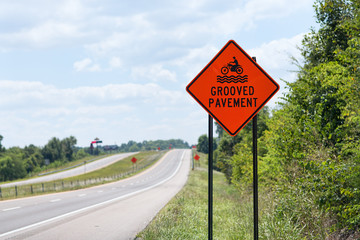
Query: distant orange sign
pixel 232 88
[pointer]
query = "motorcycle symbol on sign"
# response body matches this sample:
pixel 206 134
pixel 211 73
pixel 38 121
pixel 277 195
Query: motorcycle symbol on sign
pixel 233 67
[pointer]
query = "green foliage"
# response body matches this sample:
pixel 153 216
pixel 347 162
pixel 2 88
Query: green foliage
pixel 319 47
pixel 2 149
pixel 318 99
pixel 59 150
pixel 233 156
pixel 68 145
pixel 11 167
pixel 16 163
pixel 203 144
pixel 145 145
pixel 318 140
pixel 81 154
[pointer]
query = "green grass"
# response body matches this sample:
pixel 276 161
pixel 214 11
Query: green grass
pixel 123 167
pixel 52 168
pixel 186 215
pixel 119 170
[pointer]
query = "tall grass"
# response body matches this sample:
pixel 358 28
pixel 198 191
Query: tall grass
pixel 186 215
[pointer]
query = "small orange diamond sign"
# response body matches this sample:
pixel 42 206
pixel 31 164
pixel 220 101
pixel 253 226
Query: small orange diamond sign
pixel 232 88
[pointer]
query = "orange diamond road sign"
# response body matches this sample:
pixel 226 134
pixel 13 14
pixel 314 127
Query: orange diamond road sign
pixel 232 88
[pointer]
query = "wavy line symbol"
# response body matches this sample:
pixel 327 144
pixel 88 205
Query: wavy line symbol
pixel 232 79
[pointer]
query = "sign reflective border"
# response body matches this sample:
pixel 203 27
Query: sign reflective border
pixel 232 88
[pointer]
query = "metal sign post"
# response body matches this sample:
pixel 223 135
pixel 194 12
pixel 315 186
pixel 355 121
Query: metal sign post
pixel 210 184
pixel 255 176
pixel 255 180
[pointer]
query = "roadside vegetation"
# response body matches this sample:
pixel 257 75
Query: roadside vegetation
pixel 308 148
pixel 185 216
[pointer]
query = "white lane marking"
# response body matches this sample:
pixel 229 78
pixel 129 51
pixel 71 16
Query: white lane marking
pixel 95 205
pixel 82 195
pixel 10 209
pixel 100 191
pixel 55 200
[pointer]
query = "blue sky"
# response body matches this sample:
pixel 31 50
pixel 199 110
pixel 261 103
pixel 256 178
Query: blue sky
pixel 117 70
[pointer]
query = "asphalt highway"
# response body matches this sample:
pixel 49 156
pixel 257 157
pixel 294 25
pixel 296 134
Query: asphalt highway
pixel 112 211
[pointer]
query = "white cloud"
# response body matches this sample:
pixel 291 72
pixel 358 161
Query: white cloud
pixel 72 9
pixel 17 95
pixel 134 36
pixel 115 62
pixel 277 54
pixel 82 64
pixel 265 9
pixel 43 35
pixel 150 43
pixel 195 60
pixel 68 111
pixel 86 65
pixel 155 72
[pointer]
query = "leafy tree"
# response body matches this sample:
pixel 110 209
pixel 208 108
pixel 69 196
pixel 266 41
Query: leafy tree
pixel 59 150
pixel 32 158
pixel 11 168
pixel 68 145
pixel 203 144
pixel 321 46
pixel 2 149
pixel 53 150
pixel 134 148
pixel 241 144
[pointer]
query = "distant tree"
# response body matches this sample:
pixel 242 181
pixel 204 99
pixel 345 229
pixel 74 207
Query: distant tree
pixel 53 150
pixel 134 148
pixel 68 145
pixel 32 158
pixel 203 144
pixel 11 168
pixel 2 149
pixel 81 153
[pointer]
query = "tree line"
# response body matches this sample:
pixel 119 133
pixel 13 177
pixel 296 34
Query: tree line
pixel 308 148
pixel 148 145
pixel 16 162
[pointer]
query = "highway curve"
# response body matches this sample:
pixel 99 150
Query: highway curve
pixel 112 211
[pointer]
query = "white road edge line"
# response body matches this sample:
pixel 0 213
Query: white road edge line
pixel 10 209
pixel 95 205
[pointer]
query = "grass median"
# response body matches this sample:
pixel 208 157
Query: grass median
pixel 114 172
